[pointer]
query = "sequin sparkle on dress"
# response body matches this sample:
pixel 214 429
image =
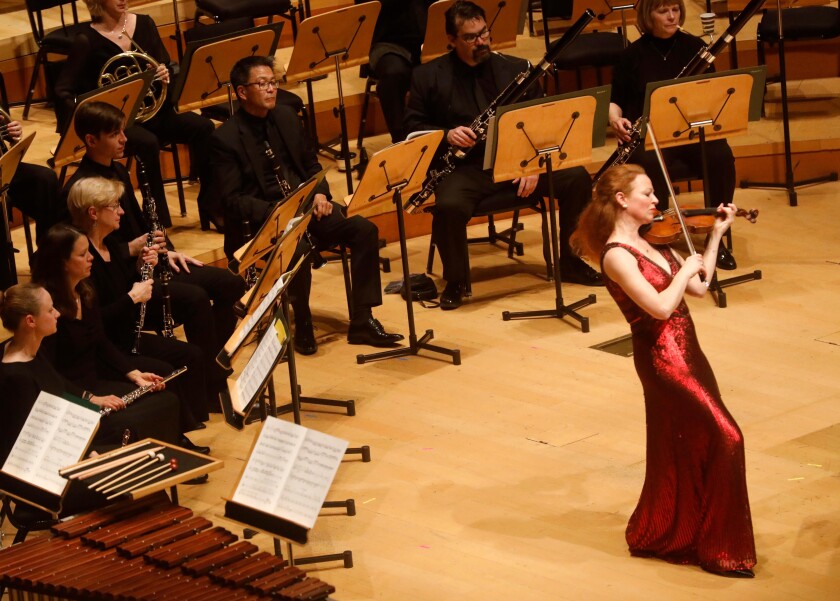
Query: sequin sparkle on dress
pixel 693 508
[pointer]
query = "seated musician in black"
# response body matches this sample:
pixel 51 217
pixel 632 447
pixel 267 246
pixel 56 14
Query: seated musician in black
pixel 660 54
pixel 394 52
pixel 33 191
pixel 112 31
pixel 246 184
pixel 27 311
pixel 202 296
pixel 448 93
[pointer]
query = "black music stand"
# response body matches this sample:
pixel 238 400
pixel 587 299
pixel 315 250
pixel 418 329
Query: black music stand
pixel 701 108
pixel 527 136
pixel 399 169
pixel 126 95
pixel 8 166
pixel 343 35
pixel 790 184
pixel 204 79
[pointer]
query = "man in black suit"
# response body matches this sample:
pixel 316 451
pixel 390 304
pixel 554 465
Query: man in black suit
pixel 448 93
pixel 247 185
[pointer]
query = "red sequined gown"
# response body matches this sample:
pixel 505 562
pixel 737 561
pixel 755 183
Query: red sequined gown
pixel 694 507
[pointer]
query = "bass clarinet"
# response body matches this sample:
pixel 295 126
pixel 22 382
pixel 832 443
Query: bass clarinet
pixel 164 269
pixel 698 65
pixel 513 92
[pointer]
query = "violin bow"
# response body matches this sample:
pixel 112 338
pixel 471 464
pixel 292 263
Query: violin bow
pixel 677 208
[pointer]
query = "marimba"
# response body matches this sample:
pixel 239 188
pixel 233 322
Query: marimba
pixel 149 549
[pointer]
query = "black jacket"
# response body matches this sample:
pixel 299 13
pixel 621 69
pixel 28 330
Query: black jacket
pixel 236 159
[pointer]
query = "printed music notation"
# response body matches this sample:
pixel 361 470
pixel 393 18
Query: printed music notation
pixel 290 471
pixel 56 434
pixel 246 386
pixel 249 323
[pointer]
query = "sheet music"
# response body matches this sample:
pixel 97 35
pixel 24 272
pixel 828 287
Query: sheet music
pixel 253 319
pixel 56 433
pixel 290 471
pixel 247 385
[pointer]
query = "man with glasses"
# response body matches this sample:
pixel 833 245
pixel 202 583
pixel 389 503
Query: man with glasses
pixel 449 93
pixel 247 186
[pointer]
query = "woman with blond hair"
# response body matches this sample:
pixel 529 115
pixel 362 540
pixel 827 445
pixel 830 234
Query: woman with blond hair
pixel 694 507
pixel 94 205
pixel 660 54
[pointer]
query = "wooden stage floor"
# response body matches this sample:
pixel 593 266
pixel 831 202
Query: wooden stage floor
pixel 512 476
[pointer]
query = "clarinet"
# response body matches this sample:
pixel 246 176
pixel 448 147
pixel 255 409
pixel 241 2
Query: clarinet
pixel 164 269
pixel 143 390
pixel 449 160
pixel 698 65
pixel 145 274
pixel 286 189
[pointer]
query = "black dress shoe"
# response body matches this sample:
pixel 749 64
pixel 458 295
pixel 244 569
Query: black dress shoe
pixel 575 271
pixel 452 296
pixel 198 479
pixel 725 260
pixel 742 573
pixel 200 426
pixel 305 338
pixel 369 331
pixel 186 443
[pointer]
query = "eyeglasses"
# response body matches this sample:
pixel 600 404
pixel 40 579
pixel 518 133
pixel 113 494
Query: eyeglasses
pixel 264 85
pixel 113 207
pixel 470 38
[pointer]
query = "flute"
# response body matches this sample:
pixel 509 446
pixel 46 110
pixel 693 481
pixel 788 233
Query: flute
pixel 143 390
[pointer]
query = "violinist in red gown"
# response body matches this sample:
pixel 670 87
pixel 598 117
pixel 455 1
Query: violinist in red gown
pixel 694 507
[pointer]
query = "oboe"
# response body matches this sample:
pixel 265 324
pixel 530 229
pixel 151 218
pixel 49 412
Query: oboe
pixel 513 92
pixel 143 390
pixel 698 65
pixel 164 269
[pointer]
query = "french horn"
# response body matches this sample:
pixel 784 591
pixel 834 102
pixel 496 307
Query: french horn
pixel 130 63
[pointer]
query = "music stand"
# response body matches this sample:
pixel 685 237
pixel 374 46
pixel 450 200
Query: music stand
pixel 528 145
pixel 126 95
pixel 435 42
pixel 345 36
pixel 790 182
pixel 400 169
pixel 274 226
pixel 204 79
pixel 9 162
pixel 701 108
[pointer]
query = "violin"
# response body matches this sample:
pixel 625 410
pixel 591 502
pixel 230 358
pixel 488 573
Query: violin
pixel 666 227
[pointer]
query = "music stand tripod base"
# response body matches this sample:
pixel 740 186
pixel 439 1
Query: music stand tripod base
pixel 717 286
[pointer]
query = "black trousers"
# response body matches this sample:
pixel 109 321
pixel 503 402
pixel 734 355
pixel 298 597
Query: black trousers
pixel 156 415
pixel 34 192
pixel 202 301
pixel 160 356
pixel 393 74
pixel 687 160
pixel 458 195
pixel 358 234
pixel 145 140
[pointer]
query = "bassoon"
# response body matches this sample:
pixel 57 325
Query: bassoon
pixel 698 65
pixel 453 155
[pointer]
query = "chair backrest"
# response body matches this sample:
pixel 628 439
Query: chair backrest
pixel 36 7
pixel 608 15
